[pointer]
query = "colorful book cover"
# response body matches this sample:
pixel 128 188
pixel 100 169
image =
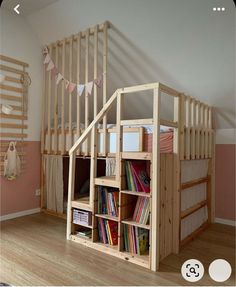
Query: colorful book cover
pixel 113 229
pixel 127 176
pixel 136 208
pixel 141 220
pixel 140 172
pixel 109 232
pixel 138 187
pixel 131 177
pixel 136 240
pixel 143 240
pixel 116 201
pixel 140 209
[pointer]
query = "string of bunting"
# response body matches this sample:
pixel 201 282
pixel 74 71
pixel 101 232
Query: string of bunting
pixel 70 86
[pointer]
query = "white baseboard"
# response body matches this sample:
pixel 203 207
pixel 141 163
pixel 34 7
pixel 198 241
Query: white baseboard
pixel 19 214
pixel 225 221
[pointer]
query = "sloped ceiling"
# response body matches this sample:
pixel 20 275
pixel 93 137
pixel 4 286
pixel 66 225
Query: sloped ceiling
pixel 183 43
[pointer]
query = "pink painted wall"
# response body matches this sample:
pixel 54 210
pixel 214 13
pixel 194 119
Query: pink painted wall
pixel 225 181
pixel 19 194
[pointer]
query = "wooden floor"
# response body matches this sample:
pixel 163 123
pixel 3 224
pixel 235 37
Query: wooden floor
pixel 34 251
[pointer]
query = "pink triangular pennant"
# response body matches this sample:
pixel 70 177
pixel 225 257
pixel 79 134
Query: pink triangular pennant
pixel 50 65
pixel 47 59
pixel 80 89
pixel 71 87
pixel 45 50
pixel 89 87
pixel 59 77
pixel 98 81
pixel 54 72
pixel 67 84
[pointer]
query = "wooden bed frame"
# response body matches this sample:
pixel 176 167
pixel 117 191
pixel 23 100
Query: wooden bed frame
pixel 193 140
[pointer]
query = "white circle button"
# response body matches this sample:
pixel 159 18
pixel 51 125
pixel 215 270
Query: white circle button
pixel 220 270
pixel 192 270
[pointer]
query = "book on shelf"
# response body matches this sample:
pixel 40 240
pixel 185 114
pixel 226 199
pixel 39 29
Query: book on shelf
pixel 108 201
pixel 136 176
pixel 136 240
pixel 108 231
pixel 82 217
pixel 84 233
pixel 142 210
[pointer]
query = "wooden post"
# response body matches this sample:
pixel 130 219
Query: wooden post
pixel 206 131
pixel 155 183
pixel 56 110
pixel 44 98
pixel 86 120
pixel 95 90
pixel 202 129
pixel 187 133
pixel 70 94
pixel 197 130
pixel 78 81
pixel 210 133
pixel 119 135
pixel 71 188
pixel 63 100
pixel 49 109
pixel 193 124
pixel 176 183
pixel 182 124
pixel 105 86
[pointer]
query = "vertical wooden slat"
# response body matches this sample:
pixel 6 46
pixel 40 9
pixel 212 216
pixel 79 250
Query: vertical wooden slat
pixel 105 86
pixel 44 98
pixel 56 109
pixel 49 109
pixel 70 94
pixel 206 131
pixel 63 101
pixel 95 91
pixel 210 133
pixel 197 130
pixel 193 124
pixel 86 120
pixel 79 82
pixel 182 125
pixel 71 186
pixel 176 179
pixel 118 136
pixel 187 133
pixel 202 129
pixel 155 183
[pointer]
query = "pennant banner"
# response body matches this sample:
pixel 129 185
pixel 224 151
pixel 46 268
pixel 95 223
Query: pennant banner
pixel 58 78
pixel 98 81
pixel 47 59
pixel 89 87
pixel 80 89
pixel 68 85
pixel 50 65
pixel 71 87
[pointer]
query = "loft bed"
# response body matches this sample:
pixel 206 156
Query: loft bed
pixel 78 147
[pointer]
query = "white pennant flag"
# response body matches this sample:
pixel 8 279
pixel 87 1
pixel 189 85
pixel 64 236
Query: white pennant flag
pixel 47 59
pixel 59 77
pixel 80 89
pixel 2 78
pixel 50 65
pixel 89 87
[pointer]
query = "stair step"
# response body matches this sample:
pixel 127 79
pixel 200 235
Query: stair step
pixel 81 204
pixel 107 181
pixel 137 155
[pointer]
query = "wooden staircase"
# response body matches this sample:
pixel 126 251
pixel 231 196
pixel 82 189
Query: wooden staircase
pixel 150 261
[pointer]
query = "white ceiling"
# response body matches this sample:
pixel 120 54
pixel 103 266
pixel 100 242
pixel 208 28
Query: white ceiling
pixel 27 7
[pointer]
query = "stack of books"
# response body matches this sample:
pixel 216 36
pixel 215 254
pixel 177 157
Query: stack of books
pixel 136 240
pixel 136 176
pixel 142 210
pixel 108 201
pixel 84 233
pixel 108 231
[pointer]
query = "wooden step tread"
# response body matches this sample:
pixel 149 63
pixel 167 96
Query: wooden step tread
pixel 107 216
pixel 81 204
pixel 107 181
pixel 137 155
pixel 136 193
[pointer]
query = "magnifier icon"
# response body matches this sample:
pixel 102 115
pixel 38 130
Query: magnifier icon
pixel 192 270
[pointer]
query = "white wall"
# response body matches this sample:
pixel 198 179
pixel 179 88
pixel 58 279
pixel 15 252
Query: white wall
pixel 182 43
pixel 20 42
